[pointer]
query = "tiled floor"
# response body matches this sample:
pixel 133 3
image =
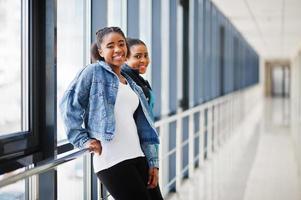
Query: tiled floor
pixel 257 163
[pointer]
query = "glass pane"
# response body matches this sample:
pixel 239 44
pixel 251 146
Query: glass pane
pixel 70 48
pixel 10 66
pixel 14 191
pixel 117 14
pixel 70 178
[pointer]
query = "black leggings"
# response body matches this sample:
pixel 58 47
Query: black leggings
pixel 128 180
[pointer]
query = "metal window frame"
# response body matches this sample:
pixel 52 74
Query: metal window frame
pixel 24 148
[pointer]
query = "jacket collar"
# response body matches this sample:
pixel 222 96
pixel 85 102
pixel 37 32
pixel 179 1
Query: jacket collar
pixel 128 69
pixel 127 77
pixel 105 65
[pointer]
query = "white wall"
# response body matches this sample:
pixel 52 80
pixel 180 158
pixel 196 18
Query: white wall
pixel 296 105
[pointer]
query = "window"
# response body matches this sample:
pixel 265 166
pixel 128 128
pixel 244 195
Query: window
pixel 13 67
pixel 117 15
pixel 14 191
pixel 70 48
pixel 71 175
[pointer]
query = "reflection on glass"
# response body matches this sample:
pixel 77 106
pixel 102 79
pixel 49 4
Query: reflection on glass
pixel 10 66
pixel 70 49
pixel 70 180
pixel 15 191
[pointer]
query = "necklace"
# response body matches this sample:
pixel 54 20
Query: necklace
pixel 121 79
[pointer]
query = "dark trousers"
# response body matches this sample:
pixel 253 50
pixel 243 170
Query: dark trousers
pixel 127 180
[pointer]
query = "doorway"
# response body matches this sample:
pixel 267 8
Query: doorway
pixel 280 81
pixel 277 79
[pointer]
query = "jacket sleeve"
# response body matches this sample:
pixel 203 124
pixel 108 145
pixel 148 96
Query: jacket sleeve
pixel 149 139
pixel 151 154
pixel 73 107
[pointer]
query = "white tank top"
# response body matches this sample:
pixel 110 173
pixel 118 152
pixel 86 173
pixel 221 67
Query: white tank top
pixel 125 144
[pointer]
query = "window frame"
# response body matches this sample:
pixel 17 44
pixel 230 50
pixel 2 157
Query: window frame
pixel 37 143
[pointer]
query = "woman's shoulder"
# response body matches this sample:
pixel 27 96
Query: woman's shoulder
pixel 127 70
pixel 92 69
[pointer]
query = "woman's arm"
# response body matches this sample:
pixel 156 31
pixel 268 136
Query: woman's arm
pixel 74 105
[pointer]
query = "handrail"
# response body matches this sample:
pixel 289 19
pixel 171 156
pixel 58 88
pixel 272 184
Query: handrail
pixel 200 107
pixel 195 109
pixel 43 168
pixel 52 164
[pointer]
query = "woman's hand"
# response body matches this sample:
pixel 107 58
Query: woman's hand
pixel 153 178
pixel 94 146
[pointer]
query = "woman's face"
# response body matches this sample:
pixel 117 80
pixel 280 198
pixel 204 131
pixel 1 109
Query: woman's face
pixel 138 58
pixel 113 49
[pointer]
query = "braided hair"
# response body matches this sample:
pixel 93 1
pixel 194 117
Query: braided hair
pixel 94 53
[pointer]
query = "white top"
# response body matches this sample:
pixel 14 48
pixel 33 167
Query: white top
pixel 125 144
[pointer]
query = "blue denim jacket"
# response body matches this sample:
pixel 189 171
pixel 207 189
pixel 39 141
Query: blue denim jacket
pixel 87 109
pixel 140 81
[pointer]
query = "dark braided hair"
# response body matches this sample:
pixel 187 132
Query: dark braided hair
pixel 94 53
pixel 105 31
pixel 132 42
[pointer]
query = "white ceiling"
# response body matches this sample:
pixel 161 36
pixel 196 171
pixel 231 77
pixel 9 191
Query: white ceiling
pixel 272 27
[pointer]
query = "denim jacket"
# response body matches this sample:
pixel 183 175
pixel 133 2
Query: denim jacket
pixel 141 82
pixel 87 109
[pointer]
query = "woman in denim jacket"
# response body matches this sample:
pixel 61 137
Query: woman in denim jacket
pixel 104 110
pixel 136 64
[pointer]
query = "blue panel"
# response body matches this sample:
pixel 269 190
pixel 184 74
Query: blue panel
pixel 242 60
pixel 185 148
pixel 243 54
pixel 207 48
pixel 196 118
pixel 228 72
pixel 186 72
pixel 231 56
pixel 172 136
pixel 156 55
pixel 219 55
pixel 249 73
pixel 99 16
pixel 256 66
pixel 172 171
pixel 185 159
pixel 228 68
pixel 196 147
pixel 236 60
pixel 133 18
pixel 172 157
pixel 212 135
pixel 240 56
pixel 185 129
pixel 173 58
pixel 200 53
pixel 214 53
pixel 196 65
pixel 205 133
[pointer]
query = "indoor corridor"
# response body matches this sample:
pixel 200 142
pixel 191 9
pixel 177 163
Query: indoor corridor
pixel 257 163
pixel 220 80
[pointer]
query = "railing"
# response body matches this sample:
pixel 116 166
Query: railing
pixel 215 120
pixel 43 168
